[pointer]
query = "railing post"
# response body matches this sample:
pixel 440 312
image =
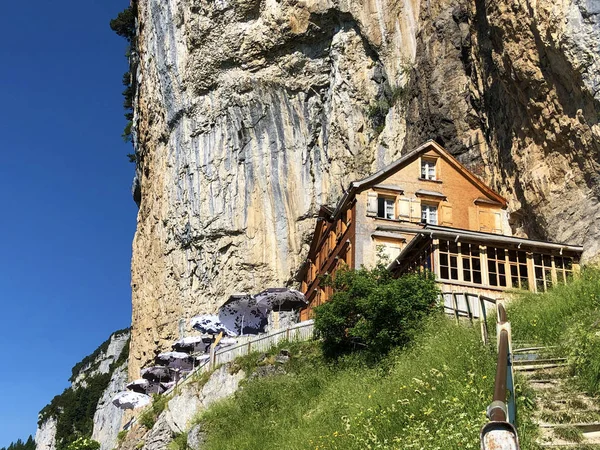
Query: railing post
pixel 483 318
pixel 466 295
pixel 455 304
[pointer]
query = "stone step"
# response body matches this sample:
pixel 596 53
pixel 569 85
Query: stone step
pixel 526 362
pixel 530 368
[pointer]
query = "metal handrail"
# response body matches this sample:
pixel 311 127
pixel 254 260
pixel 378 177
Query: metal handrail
pixel 500 432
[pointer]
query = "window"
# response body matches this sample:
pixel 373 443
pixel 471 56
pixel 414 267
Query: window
pixel 429 214
pixel 543 271
pixel 564 269
pixel 497 266
pixel 517 262
pixel 428 171
pixel 448 260
pixel 385 207
pixel 471 263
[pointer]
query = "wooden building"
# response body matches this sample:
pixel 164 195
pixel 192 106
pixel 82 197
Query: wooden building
pixel 428 211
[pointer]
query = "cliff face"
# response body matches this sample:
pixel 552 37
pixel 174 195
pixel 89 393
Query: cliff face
pixel 85 408
pixel 249 114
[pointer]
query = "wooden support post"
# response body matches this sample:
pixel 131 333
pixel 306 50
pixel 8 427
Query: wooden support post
pixel 455 305
pixel 483 320
pixel 469 312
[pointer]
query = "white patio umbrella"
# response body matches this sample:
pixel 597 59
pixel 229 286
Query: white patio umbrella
pixel 130 400
pixel 210 324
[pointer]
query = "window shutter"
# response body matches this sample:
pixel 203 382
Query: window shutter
pixel 404 208
pixel 446 215
pixel 372 204
pixel 489 221
pixel 415 210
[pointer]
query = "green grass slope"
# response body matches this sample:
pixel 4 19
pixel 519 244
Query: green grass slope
pixel 568 316
pixel 431 395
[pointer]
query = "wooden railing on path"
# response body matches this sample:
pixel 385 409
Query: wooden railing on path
pixel 470 306
pixel 303 331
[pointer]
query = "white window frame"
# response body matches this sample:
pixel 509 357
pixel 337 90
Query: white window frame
pixel 428 169
pixel 429 213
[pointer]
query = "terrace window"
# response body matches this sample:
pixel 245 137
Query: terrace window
pixel 543 271
pixel 517 261
pixel 564 269
pixel 471 263
pixel 449 260
pixel 497 266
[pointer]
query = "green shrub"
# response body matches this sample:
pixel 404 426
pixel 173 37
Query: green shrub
pixel 124 23
pixel 148 418
pixel 121 436
pixel 84 443
pixel 582 341
pixel 373 311
pixel 179 442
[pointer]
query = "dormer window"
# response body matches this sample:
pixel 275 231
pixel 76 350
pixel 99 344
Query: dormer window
pixel 429 214
pixel 385 207
pixel 428 169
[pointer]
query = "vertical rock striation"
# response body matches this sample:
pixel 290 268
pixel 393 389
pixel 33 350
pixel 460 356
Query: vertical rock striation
pixel 250 114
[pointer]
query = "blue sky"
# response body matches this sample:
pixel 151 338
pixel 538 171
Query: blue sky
pixel 67 216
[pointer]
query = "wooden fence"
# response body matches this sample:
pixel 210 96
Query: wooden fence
pixel 303 331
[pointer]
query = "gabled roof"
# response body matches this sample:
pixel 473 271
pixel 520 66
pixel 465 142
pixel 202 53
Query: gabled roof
pixel 382 174
pixel 365 183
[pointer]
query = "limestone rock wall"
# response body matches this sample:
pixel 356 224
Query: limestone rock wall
pixel 108 418
pixel 102 362
pixel 249 114
pixel 45 435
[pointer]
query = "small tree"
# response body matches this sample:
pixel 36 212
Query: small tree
pixel 83 443
pixel 374 311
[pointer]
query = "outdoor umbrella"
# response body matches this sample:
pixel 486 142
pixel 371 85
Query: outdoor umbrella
pixel 157 373
pixel 193 344
pixel 281 299
pixel 176 360
pixel 130 400
pixel 241 314
pixel 141 386
pixel 144 386
pixel 210 324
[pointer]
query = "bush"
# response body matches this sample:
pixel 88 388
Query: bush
pixel 83 443
pixel 124 23
pixel 149 416
pixel 373 311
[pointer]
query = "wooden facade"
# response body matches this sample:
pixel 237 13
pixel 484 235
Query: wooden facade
pixel 387 213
